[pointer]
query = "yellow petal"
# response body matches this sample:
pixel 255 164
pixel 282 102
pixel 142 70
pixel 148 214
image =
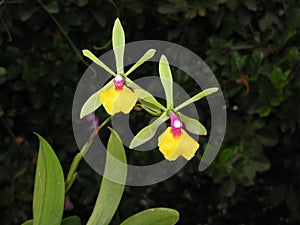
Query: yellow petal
pixel 115 101
pixel 173 147
pixel 167 143
pixel 108 98
pixel 187 146
pixel 125 101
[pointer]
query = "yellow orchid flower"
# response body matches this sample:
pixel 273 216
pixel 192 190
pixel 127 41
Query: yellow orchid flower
pixel 175 142
pixel 118 98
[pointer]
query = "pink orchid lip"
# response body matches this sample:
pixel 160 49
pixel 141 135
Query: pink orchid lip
pixel 176 125
pixel 119 82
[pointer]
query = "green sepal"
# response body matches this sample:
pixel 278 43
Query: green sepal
pixel 192 125
pixel 118 43
pixel 197 97
pixel 148 132
pixel 166 80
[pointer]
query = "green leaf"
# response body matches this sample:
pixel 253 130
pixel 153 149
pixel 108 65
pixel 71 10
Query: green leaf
pixel 166 80
pixel 193 125
pixel 49 188
pixel 197 97
pixel 110 192
pixel 3 71
pixel 226 154
pixel 267 21
pixel 261 165
pixel 293 18
pixel 143 94
pixel 250 4
pixel 148 55
pixel 71 220
pixel 236 62
pixel 257 58
pixel 155 216
pixel 118 42
pixel 93 102
pixel 91 56
pixel 147 132
pixel 278 78
pixel 28 222
pixel 52 7
pixel 228 188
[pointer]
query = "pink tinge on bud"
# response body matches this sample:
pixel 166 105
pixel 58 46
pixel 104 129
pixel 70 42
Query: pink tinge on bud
pixel 118 82
pixel 176 125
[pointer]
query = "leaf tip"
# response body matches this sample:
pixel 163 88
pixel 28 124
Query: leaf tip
pixel 39 136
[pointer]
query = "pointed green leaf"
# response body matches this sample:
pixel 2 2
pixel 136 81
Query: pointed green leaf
pixel 93 102
pixel 193 125
pixel 143 94
pixel 71 220
pixel 49 188
pixel 118 42
pixel 148 55
pixel 197 97
pixel 155 216
pixel 92 57
pixel 147 132
pixel 110 192
pixel 166 80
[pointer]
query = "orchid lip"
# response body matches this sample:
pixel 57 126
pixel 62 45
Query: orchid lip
pixel 176 125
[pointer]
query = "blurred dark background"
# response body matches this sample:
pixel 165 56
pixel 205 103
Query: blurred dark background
pixel 252 46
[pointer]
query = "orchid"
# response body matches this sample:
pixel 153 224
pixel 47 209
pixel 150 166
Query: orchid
pixel 116 96
pixel 174 141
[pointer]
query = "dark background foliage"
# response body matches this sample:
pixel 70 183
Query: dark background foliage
pixel 252 46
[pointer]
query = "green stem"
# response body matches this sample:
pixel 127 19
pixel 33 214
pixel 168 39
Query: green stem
pixel 72 174
pixel 116 8
pixel 64 33
pixel 149 110
pixel 5 27
pixel 8 128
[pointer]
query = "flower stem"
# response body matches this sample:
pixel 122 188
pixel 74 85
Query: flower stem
pixel 72 174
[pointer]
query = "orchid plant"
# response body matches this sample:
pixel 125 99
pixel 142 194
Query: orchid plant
pixel 119 95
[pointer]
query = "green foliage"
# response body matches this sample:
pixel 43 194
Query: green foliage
pixel 49 188
pixel 251 46
pixel 110 192
pixel 71 220
pixel 156 216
